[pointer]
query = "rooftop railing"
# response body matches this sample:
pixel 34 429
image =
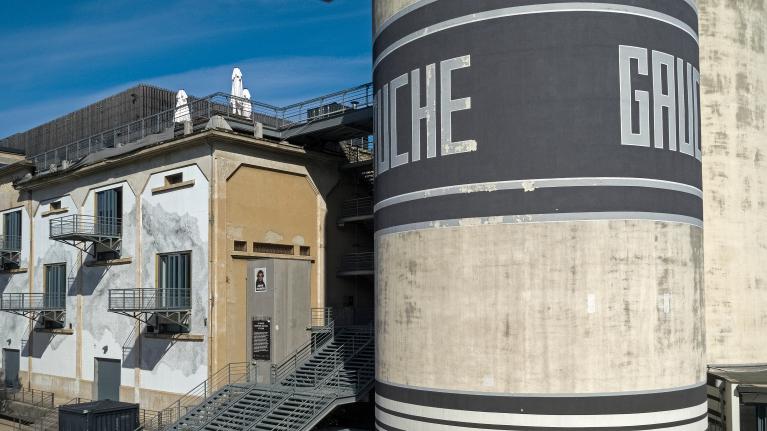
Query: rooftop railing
pixel 140 300
pixel 85 225
pixel 28 302
pixel 225 105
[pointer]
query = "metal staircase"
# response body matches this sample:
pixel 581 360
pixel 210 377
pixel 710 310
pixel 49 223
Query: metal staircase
pixel 304 387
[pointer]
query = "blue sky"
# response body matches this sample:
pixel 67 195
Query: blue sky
pixel 58 56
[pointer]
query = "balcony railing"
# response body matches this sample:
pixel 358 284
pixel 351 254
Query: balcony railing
pixel 77 225
pixel 149 300
pixel 357 264
pixel 357 209
pixel 10 243
pixel 32 302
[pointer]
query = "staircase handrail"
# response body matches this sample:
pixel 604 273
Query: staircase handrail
pixel 273 405
pixel 235 372
pixel 299 356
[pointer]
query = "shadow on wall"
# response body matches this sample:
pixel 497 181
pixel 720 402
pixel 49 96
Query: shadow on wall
pixel 5 280
pixel 95 275
pixel 36 344
pixel 148 355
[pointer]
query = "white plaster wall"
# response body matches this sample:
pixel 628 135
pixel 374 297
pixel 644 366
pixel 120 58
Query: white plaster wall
pixel 176 220
pixel 13 328
pixel 105 334
pixel 47 350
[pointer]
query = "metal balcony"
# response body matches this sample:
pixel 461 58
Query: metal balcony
pixel 357 264
pixel 86 232
pixel 356 210
pixel 153 306
pixel 10 250
pixel 51 308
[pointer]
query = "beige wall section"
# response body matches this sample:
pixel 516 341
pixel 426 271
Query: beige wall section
pixel 518 318
pixel 384 9
pixel 261 197
pixel 733 40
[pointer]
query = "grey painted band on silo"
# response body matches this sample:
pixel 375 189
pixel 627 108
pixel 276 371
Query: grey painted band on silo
pixel 539 247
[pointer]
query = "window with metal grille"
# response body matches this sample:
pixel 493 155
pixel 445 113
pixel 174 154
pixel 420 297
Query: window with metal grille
pixel 174 280
pixel 55 285
pixel 109 210
pixel 270 248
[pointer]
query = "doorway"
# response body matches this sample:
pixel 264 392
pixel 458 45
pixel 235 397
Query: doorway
pixel 11 368
pixel 107 379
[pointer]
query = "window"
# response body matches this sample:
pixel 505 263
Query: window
pixel 108 219
pixel 55 285
pixel 240 246
pixel 305 250
pixel 270 248
pixel 12 230
pixel 174 280
pixel 174 179
pixel 53 206
pixel 109 211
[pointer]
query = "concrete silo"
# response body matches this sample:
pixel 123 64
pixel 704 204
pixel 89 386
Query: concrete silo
pixel 734 102
pixel 538 215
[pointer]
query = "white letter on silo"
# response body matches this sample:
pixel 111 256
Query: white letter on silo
pixel 427 113
pixel 448 106
pixel 396 159
pixel 628 137
pixel 664 100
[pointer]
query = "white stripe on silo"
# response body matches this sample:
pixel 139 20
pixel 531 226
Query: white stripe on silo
pixel 536 9
pixel 493 186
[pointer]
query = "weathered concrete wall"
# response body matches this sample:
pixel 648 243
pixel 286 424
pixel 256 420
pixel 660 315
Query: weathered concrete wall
pixel 173 221
pixel 539 241
pixel 733 40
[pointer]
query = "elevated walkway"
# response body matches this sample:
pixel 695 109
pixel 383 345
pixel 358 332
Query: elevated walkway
pixel 153 306
pixel 304 388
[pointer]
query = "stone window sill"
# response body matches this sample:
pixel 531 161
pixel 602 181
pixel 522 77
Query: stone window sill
pixel 54 212
pixel 171 187
pixel 252 255
pixel 111 262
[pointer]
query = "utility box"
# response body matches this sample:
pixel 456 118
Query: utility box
pixel 279 311
pixel 105 415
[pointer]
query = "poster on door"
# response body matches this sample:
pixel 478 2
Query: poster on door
pixel 261 285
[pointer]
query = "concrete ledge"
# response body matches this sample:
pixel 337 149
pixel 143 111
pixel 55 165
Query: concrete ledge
pixel 251 255
pixel 54 212
pixel 111 262
pixel 59 331
pixel 171 187
pixel 177 337
pixel 14 271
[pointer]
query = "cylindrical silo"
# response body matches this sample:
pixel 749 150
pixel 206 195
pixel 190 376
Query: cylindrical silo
pixel 734 103
pixel 538 215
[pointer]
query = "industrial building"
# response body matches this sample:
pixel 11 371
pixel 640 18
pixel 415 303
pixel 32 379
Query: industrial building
pixel 533 256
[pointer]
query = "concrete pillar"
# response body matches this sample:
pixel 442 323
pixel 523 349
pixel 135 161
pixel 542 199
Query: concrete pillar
pixel 734 102
pixel 538 215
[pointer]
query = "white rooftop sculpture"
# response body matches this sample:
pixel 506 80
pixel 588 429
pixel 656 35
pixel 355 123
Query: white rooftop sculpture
pixel 182 108
pixel 236 91
pixel 247 107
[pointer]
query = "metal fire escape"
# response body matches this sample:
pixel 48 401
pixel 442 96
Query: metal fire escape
pixel 357 213
pixel 162 307
pixel 10 251
pixel 50 309
pixel 335 367
pixel 88 233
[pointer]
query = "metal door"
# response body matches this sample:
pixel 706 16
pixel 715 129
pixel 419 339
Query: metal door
pixel 107 379
pixel 11 367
